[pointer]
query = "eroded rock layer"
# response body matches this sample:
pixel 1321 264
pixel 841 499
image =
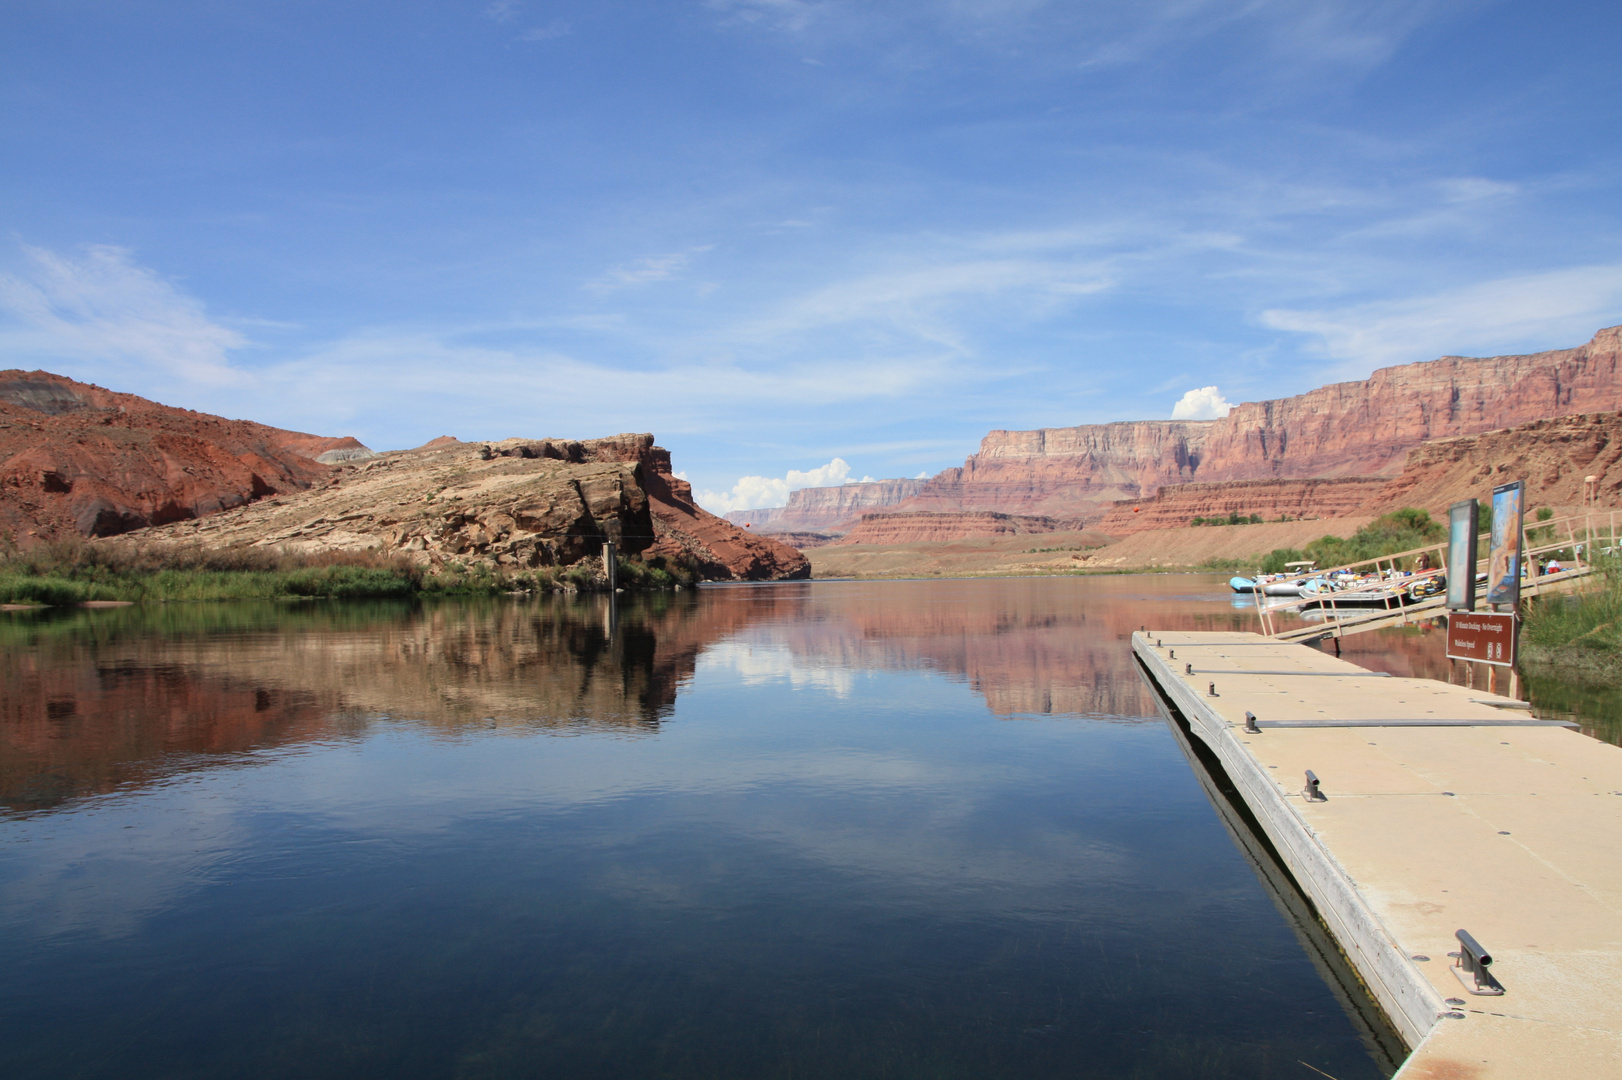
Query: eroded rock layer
pixel 1176 505
pixel 75 458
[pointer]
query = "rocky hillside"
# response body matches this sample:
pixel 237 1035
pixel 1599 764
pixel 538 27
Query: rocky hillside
pixel 1346 429
pixel 75 458
pixel 1554 457
pixel 822 509
pixel 518 504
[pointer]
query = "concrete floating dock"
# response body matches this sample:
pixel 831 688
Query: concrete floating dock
pixel 1443 808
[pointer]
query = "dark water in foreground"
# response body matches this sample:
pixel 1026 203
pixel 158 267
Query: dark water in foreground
pixel 886 829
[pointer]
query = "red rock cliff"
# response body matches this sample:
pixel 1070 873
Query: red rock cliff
pixel 1345 429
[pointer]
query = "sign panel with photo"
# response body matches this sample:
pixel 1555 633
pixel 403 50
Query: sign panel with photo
pixel 1461 555
pixel 1504 555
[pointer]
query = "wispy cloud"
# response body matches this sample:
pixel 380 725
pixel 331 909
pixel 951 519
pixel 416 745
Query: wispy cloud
pixel 645 270
pixel 503 11
pixel 555 29
pixel 105 307
pixel 1537 309
pixel 789 15
pixel 1295 36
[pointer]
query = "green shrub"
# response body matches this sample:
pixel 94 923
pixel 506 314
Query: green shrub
pixel 1400 530
pixel 1275 561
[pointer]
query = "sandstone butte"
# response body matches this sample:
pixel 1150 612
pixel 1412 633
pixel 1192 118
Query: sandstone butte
pixel 1356 429
pixel 518 504
pixel 78 459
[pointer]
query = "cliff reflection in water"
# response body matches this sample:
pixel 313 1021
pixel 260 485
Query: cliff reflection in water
pixel 104 699
pixel 98 700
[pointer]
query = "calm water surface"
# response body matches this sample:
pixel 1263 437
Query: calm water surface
pixel 885 829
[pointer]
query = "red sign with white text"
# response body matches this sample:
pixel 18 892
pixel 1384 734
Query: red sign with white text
pixel 1481 636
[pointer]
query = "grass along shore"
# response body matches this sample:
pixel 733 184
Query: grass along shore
pixel 1578 636
pixel 79 571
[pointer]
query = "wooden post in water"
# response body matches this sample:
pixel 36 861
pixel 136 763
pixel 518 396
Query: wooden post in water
pixel 611 566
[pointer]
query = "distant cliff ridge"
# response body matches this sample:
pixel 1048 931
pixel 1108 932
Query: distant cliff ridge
pixel 823 508
pixel 1345 429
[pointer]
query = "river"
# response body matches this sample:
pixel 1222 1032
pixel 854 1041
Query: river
pixel 830 829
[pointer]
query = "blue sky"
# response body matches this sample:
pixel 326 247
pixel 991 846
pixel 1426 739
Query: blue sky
pixel 795 239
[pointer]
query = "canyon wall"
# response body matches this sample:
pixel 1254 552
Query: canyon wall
pixel 1345 429
pixel 1554 457
pixel 823 508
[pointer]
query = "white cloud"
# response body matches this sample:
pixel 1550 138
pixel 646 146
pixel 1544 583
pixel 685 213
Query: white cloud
pixel 757 492
pixel 106 307
pixel 1206 403
pixel 1541 310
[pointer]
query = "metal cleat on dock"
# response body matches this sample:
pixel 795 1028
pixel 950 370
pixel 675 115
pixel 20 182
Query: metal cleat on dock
pixel 1311 792
pixel 1470 967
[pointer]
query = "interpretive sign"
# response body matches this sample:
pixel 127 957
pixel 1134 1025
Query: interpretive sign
pixel 1504 554
pixel 1481 636
pixel 1461 555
